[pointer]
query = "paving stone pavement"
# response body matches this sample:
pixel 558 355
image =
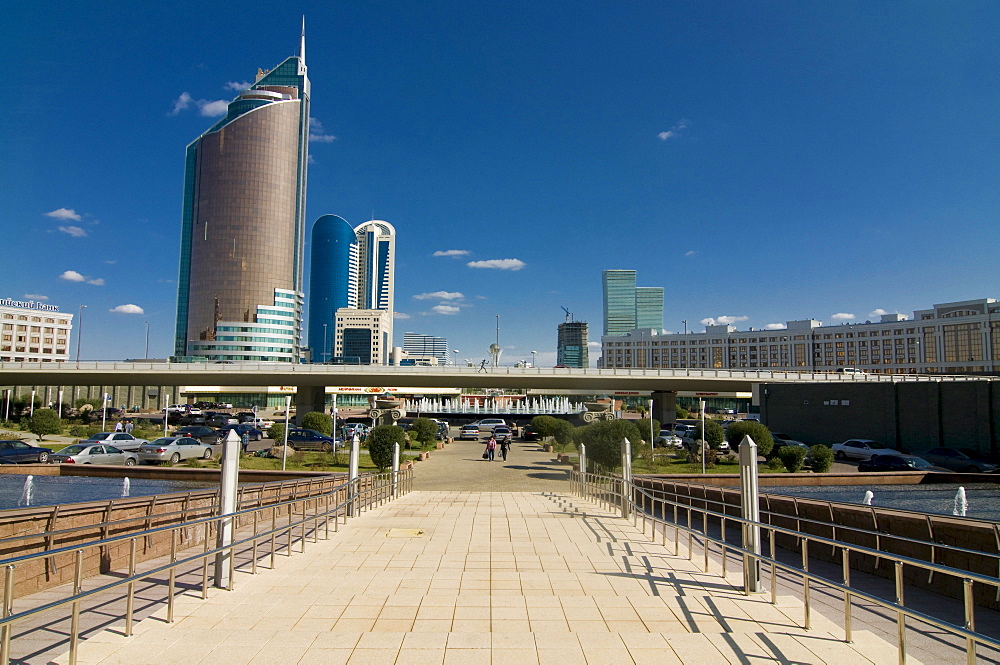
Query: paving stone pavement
pixel 489 577
pixel 461 467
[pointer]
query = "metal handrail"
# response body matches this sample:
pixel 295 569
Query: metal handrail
pixel 361 494
pixel 613 492
pixel 878 535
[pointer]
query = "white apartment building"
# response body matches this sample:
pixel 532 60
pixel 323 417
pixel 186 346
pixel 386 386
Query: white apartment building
pixel 33 331
pixel 950 338
pixel 362 336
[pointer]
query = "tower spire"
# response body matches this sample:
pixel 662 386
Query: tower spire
pixel 302 42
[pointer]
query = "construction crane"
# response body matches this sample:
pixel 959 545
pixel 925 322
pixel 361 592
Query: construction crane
pixel 569 314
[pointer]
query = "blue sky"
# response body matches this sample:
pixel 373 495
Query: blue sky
pixel 763 161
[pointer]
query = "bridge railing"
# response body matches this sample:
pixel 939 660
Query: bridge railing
pixel 655 511
pixel 295 520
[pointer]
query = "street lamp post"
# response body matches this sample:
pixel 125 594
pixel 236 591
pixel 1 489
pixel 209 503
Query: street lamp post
pixel 79 332
pixel 533 354
pixel 455 351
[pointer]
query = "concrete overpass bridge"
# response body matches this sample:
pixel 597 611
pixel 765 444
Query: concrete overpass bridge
pixel 310 380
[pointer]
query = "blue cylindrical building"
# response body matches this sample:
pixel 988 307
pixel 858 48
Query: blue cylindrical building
pixel 332 280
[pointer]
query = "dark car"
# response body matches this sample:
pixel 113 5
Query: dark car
pixel 204 434
pixel 19 451
pixel 193 419
pixel 881 463
pixel 529 434
pixel 246 416
pixel 308 439
pixel 252 432
pixel 956 460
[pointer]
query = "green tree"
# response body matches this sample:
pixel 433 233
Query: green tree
pixel 755 430
pixel 562 432
pixel 381 441
pixel 643 425
pixel 277 433
pixel 45 421
pixel 681 412
pixel 714 433
pixel 544 426
pixel 821 458
pixel 604 439
pixel 792 457
pixel 319 421
pixel 424 430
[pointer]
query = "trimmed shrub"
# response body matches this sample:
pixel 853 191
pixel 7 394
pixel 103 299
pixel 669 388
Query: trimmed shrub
pixel 277 433
pixel 821 458
pixel 775 464
pixel 681 412
pixel 562 432
pixel 380 443
pixel 319 421
pixel 544 426
pixel 603 440
pixel 424 430
pixel 792 457
pixel 44 422
pixel 643 425
pixel 756 431
pixel 714 433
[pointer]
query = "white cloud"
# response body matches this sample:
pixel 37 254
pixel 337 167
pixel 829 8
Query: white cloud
pixel 74 231
pixel 723 320
pixel 207 108
pixel 498 264
pixel 400 315
pixel 127 309
pixel 775 326
pixel 64 214
pixel 690 252
pixel 35 296
pixel 452 252
pixel 445 309
pixel 317 134
pixel 594 345
pixel 877 312
pixel 674 131
pixel 72 276
pixel 439 295
pixel 110 262
pixel 97 281
pixel 842 316
pixel 237 86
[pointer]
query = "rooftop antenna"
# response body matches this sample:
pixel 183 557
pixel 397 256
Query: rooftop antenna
pixel 302 42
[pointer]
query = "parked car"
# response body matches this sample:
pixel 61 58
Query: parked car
pixel 486 425
pixel 502 433
pixel 120 440
pixel 80 453
pixel 882 463
pixel 667 439
pixel 350 429
pixel 173 449
pixel 252 432
pixel 193 418
pixel 861 449
pixel 468 433
pixel 309 439
pixel 220 420
pixel 19 451
pixel 443 429
pixel 956 460
pixel 205 435
pixel 246 416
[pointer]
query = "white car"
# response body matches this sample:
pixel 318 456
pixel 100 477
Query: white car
pixel 668 439
pixel 120 440
pixel 487 424
pixel 861 449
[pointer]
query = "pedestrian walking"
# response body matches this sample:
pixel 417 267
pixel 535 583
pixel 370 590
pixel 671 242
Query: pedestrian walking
pixel 491 448
pixel 129 426
pixel 118 427
pixel 244 440
pixel 504 448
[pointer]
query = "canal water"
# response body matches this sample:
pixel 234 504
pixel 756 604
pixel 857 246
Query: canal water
pixel 52 490
pixel 983 498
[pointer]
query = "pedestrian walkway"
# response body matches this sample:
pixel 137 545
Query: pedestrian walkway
pixel 460 467
pixel 456 577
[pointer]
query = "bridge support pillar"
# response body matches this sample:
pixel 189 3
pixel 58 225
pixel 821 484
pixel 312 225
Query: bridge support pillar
pixel 309 398
pixel 665 406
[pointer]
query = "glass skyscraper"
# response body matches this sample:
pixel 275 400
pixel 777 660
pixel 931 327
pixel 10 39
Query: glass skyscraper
pixel 242 239
pixel 627 306
pixel 333 280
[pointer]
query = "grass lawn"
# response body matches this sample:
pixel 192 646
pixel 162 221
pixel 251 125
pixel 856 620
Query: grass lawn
pixel 300 461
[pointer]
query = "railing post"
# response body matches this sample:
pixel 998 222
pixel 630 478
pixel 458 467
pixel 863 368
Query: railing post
pixel 74 625
pixel 229 486
pixel 750 512
pixel 900 615
pixel 130 594
pixel 846 565
pixel 626 494
pixel 352 487
pixel 395 470
pixel 970 622
pixel 8 609
pixel 583 469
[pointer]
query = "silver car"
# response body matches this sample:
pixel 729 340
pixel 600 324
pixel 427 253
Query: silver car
pixel 173 449
pixel 81 453
pixel 120 440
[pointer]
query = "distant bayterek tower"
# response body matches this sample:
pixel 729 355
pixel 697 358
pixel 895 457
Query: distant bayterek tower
pixel 242 241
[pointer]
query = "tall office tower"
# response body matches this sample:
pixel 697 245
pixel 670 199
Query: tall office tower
pixel 649 307
pixel 571 349
pixel 416 344
pixel 333 280
pixel 619 301
pixel 363 336
pixel 239 293
pixel 376 267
